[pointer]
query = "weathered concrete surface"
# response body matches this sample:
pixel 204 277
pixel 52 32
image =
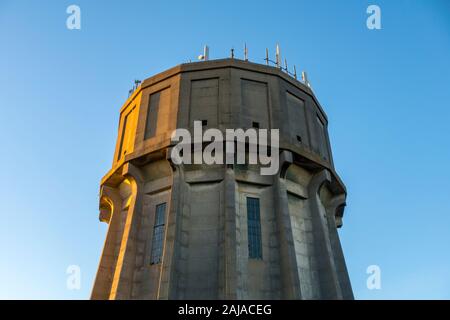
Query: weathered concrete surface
pixel 205 253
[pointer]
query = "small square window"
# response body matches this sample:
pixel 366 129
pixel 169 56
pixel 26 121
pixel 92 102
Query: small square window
pixel 255 125
pixel 204 123
pixel 299 139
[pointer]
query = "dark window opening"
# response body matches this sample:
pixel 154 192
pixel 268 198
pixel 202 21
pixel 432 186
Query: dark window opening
pixel 254 228
pixel 158 234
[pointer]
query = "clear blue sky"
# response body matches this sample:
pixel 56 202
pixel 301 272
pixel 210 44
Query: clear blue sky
pixel 386 93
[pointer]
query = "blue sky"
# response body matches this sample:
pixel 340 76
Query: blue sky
pixel 386 93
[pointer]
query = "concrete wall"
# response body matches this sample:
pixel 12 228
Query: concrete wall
pixel 205 253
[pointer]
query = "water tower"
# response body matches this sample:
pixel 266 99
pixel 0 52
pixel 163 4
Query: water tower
pixel 222 231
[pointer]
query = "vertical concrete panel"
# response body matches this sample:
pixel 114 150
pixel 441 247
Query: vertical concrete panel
pixel 289 278
pixel 297 118
pixel 323 144
pixel 317 131
pixel 152 115
pixel 311 118
pixel 203 239
pixel 260 277
pixel 229 276
pixel 128 128
pixel 302 228
pixel 204 101
pixel 255 107
pixel 172 276
pixel 147 277
pixel 158 114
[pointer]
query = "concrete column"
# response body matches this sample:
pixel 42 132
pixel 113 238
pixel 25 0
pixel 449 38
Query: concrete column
pixel 337 204
pixel 329 284
pixel 230 288
pixel 123 275
pixel 171 260
pixel 290 281
pixel 110 206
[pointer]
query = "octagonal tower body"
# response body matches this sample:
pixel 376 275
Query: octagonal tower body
pixel 182 231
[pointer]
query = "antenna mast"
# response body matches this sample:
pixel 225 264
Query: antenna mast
pixel 277 57
pixel 305 79
pixel 245 52
pixel 205 55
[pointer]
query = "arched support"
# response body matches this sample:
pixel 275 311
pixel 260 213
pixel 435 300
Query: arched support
pixel 110 200
pixel 336 208
pixel 106 209
pixel 317 181
pixel 286 160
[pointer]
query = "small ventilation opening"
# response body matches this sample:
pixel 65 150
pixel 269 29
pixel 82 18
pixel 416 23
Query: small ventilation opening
pixel 255 125
pixel 204 123
pixel 299 139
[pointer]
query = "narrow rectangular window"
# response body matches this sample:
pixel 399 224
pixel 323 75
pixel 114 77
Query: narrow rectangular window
pixel 158 233
pixel 254 229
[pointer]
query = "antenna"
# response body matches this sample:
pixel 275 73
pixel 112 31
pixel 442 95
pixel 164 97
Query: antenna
pixel 205 55
pixel 137 83
pixel 267 59
pixel 232 53
pixel 305 78
pixel 206 52
pixel 245 52
pixel 277 56
pixel 279 64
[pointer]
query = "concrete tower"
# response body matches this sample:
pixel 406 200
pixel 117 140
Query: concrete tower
pixel 222 231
